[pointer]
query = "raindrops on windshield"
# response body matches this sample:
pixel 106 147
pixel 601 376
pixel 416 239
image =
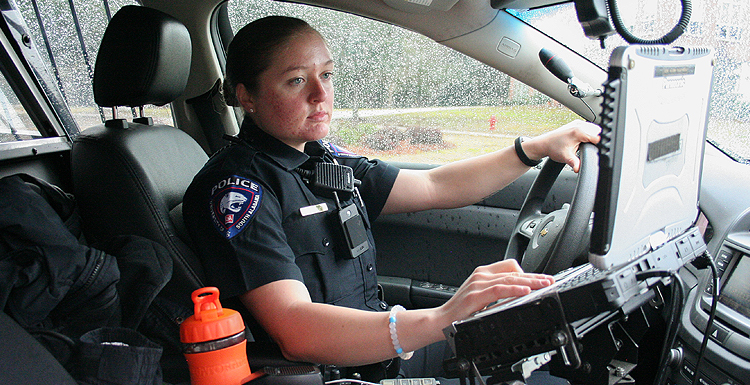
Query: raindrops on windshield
pixel 721 25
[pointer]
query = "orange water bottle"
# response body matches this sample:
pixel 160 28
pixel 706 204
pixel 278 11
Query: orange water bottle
pixel 214 342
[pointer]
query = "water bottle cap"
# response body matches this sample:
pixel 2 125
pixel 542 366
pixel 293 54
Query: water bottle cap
pixel 210 321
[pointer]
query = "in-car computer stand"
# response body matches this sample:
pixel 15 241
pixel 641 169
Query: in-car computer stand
pixel 588 332
pixel 601 349
pixel 598 350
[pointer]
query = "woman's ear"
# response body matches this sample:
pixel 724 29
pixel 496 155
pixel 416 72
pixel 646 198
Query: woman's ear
pixel 244 97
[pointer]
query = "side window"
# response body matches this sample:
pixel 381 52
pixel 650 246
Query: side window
pixel 15 123
pixel 66 35
pixel 403 97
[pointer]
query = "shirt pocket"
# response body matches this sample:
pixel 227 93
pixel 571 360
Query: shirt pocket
pixel 313 240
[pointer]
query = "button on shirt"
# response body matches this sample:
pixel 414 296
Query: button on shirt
pixel 243 212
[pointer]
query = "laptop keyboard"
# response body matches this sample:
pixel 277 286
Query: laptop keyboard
pixel 578 277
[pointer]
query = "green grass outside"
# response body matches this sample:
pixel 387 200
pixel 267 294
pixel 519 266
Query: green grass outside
pixel 511 120
pixel 468 131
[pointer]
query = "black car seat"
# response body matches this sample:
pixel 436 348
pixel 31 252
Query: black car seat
pixel 23 360
pixel 129 177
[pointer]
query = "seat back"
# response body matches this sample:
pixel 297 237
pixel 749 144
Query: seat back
pixel 130 177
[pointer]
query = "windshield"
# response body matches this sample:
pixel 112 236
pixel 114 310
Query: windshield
pixel 719 24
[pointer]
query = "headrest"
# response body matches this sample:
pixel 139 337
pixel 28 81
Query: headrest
pixel 144 59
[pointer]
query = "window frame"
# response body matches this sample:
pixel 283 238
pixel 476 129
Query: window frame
pixel 25 73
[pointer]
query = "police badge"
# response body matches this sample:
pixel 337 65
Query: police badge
pixel 234 201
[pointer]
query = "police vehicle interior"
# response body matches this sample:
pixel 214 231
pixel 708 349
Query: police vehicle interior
pixel 118 104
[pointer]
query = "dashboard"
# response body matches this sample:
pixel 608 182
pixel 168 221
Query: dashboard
pixel 726 355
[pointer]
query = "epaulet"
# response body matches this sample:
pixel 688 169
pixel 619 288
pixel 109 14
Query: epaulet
pixel 338 151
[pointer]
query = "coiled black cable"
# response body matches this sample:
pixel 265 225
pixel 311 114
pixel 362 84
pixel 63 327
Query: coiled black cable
pixel 671 36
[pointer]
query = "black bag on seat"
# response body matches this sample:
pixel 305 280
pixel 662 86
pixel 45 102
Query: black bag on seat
pixel 118 356
pixel 48 280
pixel 58 289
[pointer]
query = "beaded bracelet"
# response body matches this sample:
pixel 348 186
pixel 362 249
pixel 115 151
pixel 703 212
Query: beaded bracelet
pixel 394 335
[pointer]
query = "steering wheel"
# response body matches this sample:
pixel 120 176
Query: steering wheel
pixel 563 233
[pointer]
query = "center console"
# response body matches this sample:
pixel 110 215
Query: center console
pixel 726 360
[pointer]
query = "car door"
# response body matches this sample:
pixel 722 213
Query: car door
pixel 423 257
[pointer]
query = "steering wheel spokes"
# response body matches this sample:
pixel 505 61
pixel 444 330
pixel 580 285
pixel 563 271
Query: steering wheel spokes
pixel 549 243
pixel 543 238
pixel 527 228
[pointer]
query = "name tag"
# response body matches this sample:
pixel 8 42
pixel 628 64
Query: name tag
pixel 314 209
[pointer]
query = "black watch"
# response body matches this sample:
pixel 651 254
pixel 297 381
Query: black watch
pixel 522 155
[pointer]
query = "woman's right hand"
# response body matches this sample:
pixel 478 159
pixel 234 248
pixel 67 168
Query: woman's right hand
pixel 487 284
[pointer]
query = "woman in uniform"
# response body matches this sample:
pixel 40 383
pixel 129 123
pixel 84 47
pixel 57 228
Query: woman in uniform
pixel 293 243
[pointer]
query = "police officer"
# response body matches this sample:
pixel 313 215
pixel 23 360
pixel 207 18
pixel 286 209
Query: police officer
pixel 295 247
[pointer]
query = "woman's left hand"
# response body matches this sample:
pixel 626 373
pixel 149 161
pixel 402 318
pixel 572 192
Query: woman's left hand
pixel 562 144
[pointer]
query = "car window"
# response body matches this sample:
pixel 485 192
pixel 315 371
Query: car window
pixel 720 24
pixel 403 97
pixel 15 123
pixel 65 35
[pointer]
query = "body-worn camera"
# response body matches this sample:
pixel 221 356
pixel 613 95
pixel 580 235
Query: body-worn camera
pixel 329 179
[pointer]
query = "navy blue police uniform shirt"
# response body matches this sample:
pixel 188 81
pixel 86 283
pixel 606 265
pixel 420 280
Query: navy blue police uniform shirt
pixel 244 212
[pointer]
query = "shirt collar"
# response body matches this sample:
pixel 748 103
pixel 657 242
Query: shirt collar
pixel 283 154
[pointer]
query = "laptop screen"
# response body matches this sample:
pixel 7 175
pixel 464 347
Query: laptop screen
pixel 653 120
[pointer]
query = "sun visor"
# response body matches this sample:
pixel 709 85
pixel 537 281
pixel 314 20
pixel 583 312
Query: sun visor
pixel 421 6
pixel 522 4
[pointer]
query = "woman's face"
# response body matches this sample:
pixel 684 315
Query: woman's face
pixel 294 100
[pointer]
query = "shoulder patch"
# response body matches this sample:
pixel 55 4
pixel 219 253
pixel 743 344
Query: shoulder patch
pixel 234 202
pixel 338 151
